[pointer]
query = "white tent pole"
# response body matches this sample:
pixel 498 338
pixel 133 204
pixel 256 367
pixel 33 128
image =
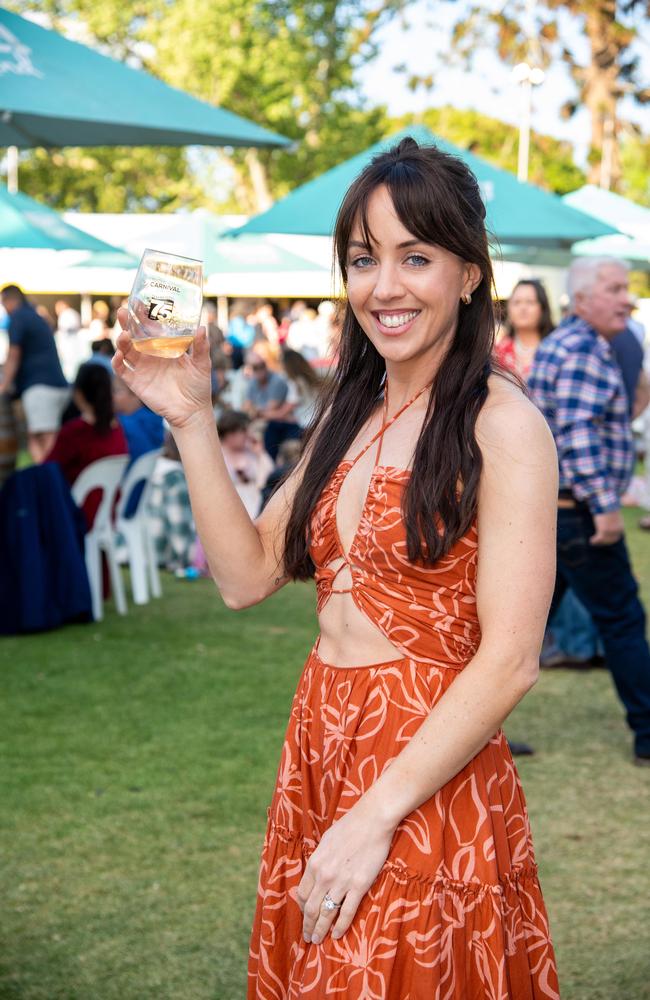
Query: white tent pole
pixel 12 169
pixel 86 309
pixel 222 313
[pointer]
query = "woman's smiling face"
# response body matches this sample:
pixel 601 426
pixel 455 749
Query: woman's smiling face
pixel 404 293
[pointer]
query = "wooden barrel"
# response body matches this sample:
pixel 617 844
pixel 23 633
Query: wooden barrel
pixel 8 438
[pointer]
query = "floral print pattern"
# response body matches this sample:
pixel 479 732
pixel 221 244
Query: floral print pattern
pixel 456 913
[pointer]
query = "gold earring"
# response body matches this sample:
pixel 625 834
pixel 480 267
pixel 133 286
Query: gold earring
pixel 467 298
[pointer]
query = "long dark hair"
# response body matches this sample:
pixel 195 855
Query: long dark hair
pixel 437 198
pixel 94 383
pixel 546 324
pixel 296 366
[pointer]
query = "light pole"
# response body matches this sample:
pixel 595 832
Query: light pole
pixel 528 77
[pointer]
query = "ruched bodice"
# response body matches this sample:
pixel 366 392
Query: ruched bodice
pixel 428 612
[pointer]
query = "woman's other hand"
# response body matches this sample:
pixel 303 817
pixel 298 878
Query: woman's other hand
pixel 179 389
pixel 343 867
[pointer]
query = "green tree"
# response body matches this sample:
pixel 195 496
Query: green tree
pixel 539 33
pixel 116 179
pixel 286 64
pixel 551 160
pixel 635 164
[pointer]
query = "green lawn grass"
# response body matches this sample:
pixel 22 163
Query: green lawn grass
pixel 138 758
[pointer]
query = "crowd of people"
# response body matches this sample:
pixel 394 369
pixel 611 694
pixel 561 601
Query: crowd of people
pixel 267 371
pixel 76 411
pixel 266 375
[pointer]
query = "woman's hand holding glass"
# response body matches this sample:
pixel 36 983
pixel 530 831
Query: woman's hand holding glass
pixel 179 389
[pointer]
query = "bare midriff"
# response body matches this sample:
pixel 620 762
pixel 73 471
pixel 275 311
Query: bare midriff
pixel 349 639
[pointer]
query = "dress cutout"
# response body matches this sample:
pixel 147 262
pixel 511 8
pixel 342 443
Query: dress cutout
pixel 456 912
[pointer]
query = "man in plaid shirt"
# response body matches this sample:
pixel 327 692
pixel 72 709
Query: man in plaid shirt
pixel 577 384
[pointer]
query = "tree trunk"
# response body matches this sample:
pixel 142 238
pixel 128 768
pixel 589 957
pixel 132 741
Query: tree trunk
pixel 244 194
pixel 259 180
pixel 601 89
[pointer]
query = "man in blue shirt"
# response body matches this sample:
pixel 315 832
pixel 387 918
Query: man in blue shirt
pixel 628 351
pixel 267 399
pixel 34 370
pixel 142 427
pixel 577 383
pixel 240 336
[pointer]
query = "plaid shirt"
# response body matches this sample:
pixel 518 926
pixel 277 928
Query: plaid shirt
pixel 170 516
pixel 578 386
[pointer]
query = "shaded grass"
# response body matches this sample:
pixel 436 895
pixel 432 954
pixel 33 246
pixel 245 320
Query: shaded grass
pixel 141 753
pixel 138 760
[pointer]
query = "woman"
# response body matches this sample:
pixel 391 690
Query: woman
pixel 268 325
pixel 248 463
pixel 529 321
pixel 94 434
pixel 398 861
pixel 304 387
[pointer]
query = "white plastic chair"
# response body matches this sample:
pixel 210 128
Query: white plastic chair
pixel 135 530
pixel 105 474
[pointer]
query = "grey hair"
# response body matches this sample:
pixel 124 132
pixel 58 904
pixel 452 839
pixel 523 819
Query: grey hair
pixel 583 273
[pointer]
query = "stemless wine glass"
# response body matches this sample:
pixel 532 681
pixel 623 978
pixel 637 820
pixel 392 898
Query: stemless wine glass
pixel 165 303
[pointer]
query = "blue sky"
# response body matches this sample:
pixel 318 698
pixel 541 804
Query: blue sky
pixel 489 87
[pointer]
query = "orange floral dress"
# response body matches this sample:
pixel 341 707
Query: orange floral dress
pixel 456 913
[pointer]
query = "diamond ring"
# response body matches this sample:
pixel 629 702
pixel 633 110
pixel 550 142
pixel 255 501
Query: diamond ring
pixel 329 904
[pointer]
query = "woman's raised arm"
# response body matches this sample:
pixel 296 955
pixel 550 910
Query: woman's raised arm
pixel 245 557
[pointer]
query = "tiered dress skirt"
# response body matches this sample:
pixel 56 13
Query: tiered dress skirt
pixel 456 912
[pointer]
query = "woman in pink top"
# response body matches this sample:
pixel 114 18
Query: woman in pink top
pixel 94 434
pixel 529 321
